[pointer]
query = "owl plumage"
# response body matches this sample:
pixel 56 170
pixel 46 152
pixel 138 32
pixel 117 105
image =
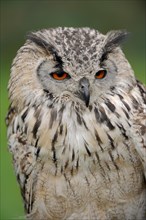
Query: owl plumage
pixel 77 127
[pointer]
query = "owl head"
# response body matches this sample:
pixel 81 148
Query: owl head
pixel 69 65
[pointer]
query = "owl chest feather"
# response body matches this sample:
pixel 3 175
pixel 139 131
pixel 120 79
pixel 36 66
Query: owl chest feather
pixel 78 160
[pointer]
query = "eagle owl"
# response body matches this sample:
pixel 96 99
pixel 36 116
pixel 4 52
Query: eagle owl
pixel 77 127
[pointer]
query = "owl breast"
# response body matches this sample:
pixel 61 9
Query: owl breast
pixel 80 161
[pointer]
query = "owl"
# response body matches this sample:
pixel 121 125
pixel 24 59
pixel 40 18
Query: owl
pixel 77 127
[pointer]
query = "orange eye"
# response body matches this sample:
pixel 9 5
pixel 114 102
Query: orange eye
pixel 100 74
pixel 60 76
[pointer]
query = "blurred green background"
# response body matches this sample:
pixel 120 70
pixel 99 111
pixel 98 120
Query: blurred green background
pixel 19 17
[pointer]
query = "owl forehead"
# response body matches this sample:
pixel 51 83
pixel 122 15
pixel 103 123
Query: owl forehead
pixel 78 48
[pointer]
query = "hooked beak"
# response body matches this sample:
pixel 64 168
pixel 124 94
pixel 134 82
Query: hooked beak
pixel 84 90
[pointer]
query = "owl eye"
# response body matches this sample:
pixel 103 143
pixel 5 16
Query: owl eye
pixel 60 76
pixel 100 74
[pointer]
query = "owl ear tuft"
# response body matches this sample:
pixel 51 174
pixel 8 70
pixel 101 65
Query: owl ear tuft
pixel 37 40
pixel 115 39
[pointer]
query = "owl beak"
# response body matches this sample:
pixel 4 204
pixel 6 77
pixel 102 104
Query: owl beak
pixel 84 90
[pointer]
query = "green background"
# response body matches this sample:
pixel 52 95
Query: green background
pixel 19 17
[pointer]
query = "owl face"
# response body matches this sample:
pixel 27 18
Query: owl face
pixel 83 87
pixel 73 64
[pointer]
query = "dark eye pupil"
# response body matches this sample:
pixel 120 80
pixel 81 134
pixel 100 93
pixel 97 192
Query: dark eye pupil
pixel 60 74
